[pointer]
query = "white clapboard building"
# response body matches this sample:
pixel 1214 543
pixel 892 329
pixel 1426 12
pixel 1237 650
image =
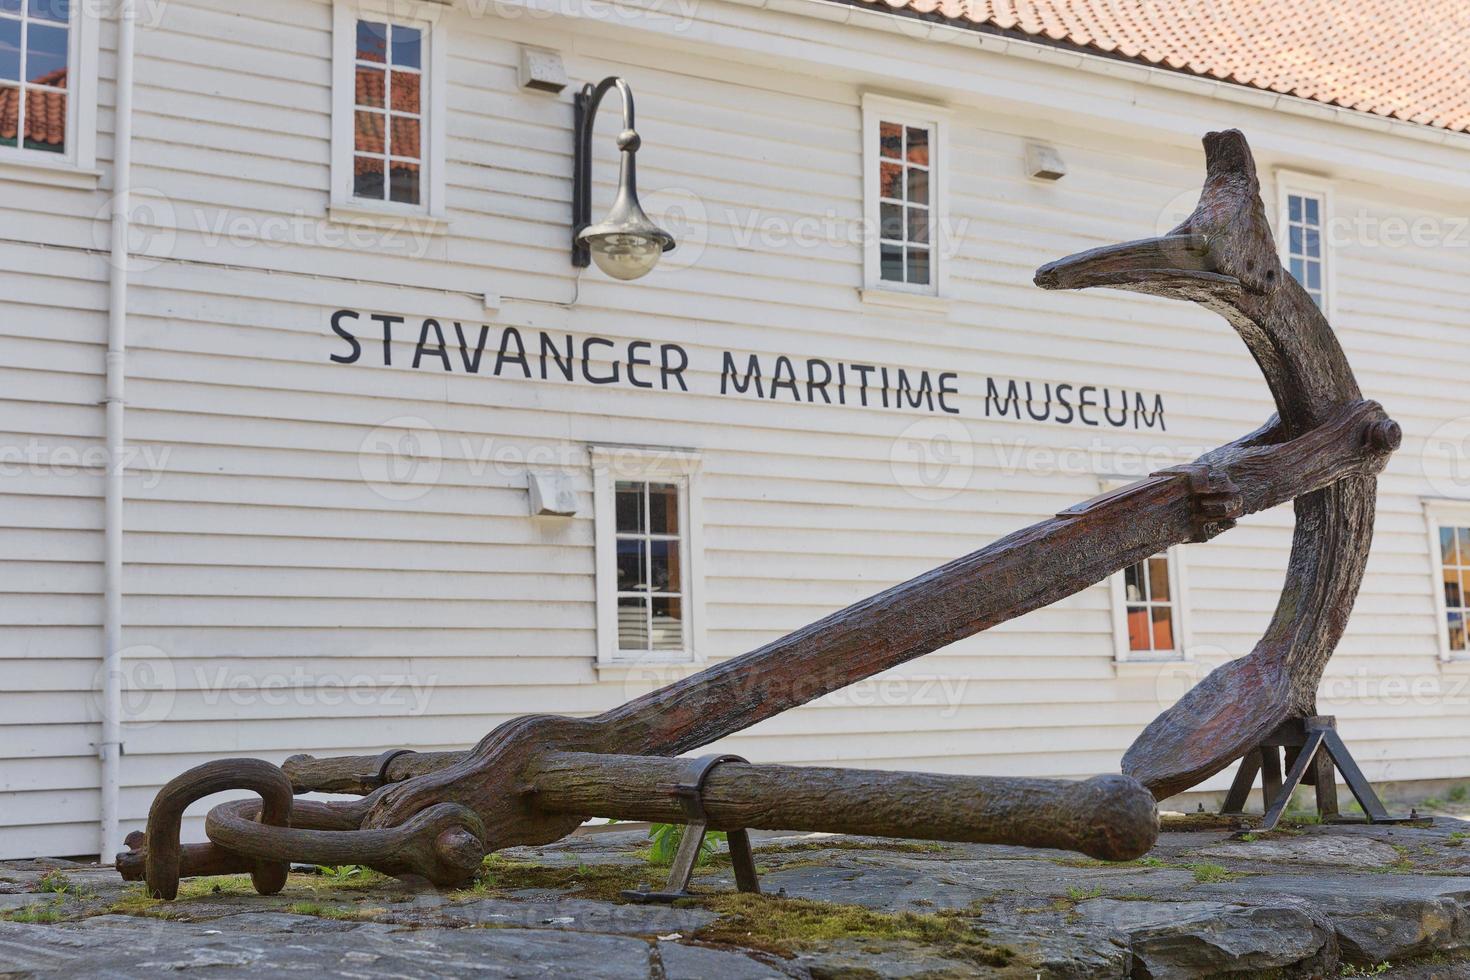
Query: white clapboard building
pixel 309 422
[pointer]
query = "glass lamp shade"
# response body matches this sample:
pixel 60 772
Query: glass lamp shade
pixel 624 255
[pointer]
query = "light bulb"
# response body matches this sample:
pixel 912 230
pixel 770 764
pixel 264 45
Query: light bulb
pixel 625 256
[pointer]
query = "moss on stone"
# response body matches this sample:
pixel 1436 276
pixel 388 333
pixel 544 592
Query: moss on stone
pixel 785 926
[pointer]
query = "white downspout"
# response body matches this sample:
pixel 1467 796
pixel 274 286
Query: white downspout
pixel 110 745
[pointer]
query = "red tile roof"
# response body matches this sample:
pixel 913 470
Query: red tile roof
pixel 368 127
pixel 1406 59
pixel 45 112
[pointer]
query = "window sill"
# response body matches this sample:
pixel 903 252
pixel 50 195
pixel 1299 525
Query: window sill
pixel 58 174
pixel 352 214
pixel 664 671
pixel 896 299
pixel 1140 666
pixel 1455 665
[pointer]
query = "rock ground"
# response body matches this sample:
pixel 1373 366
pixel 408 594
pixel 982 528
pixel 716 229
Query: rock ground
pixel 1310 902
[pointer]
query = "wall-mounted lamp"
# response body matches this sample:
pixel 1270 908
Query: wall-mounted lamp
pixel 625 244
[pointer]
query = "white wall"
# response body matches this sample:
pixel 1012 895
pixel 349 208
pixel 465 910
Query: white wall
pixel 258 553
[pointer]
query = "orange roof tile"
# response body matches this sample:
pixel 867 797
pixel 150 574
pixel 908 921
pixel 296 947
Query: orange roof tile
pixel 45 111
pixel 1406 59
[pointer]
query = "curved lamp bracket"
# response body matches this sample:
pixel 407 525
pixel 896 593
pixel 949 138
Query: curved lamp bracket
pixel 627 216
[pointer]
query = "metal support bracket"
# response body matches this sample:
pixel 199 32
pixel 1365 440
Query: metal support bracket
pixel 1314 752
pixel 689 790
pixel 1216 500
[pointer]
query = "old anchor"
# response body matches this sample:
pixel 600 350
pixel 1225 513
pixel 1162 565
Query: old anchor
pixel 537 778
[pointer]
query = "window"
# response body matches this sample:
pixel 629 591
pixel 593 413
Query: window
pixel 48 82
pixel 905 171
pixel 388 130
pixel 648 522
pixel 1303 227
pixel 1148 603
pixel 388 105
pixel 1449 528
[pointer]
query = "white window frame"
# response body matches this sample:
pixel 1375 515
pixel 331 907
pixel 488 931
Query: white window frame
pixel 78 165
pixel 1179 590
pixel 1439 514
pixel 1288 183
pixel 428 16
pixel 879 109
pixel 681 467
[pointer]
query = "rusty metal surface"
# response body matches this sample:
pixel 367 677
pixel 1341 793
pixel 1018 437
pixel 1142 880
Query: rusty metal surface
pixel 535 779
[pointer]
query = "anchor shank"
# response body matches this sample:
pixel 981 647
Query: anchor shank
pixel 1107 817
pixel 1024 571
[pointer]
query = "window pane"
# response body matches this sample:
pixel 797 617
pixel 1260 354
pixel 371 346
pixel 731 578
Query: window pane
pixel 405 138
pixel 406 91
pixel 57 10
pixel 1163 618
pixel 11 6
pixel 1294 207
pixel 1453 597
pixel 918 225
pixel 407 47
pixel 1313 239
pixel 9 114
pixel 369 130
pixel 890 140
pixel 918 265
pixel 919 186
pixel 1313 216
pixel 632 565
pixel 632 623
pixel 890 180
pixel 1447 545
pixel 370 83
pixel 1457 631
pixel 372 41
pixel 668 623
pixel 1158 579
pixel 1462 547
pixel 663 508
pixel 918 146
pixel 1298 270
pixel 1314 275
pixel 891 223
pixel 891 264
pixel 45 121
pixel 367 178
pixel 10 50
pixel 404 182
pixel 630 508
pixel 666 576
pixel 1294 240
pixel 46 49
pixel 1138 635
pixel 1133 586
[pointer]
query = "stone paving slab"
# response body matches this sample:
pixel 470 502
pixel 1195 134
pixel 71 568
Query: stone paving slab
pixel 1311 902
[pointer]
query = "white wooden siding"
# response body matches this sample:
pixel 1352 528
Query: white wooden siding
pixel 260 555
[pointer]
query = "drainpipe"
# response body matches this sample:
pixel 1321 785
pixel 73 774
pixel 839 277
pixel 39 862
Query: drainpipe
pixel 110 745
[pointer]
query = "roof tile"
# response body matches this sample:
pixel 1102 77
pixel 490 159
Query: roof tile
pixel 1406 59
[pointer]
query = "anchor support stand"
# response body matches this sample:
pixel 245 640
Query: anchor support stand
pixel 689 790
pixel 1314 752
